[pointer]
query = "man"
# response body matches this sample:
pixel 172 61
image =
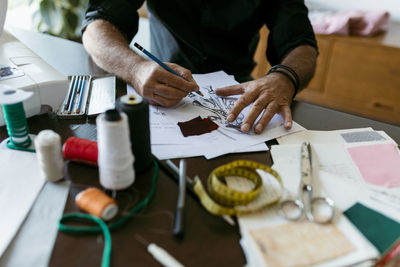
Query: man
pixel 202 36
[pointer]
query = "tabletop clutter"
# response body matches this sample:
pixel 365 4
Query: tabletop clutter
pixel 314 206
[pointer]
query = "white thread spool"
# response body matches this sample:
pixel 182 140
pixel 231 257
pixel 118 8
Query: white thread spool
pixel 49 155
pixel 115 158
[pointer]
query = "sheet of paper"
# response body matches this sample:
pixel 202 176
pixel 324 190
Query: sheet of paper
pixel 20 183
pixel 226 139
pixel 39 227
pixel 217 108
pixel 102 96
pixel 340 177
pixel 184 151
pixel 356 135
pixel 279 245
pixel 287 164
pixel 218 79
pixel 379 164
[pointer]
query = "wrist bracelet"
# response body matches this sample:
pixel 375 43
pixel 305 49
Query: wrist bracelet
pixel 288 76
pixel 294 78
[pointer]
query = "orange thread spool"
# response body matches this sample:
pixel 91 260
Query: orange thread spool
pixel 96 202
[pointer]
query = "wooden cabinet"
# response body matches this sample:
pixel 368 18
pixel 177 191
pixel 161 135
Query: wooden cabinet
pixel 359 75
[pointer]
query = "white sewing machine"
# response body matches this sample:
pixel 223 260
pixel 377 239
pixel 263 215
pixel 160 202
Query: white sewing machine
pixel 22 68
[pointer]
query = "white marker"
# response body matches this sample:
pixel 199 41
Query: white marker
pixel 160 254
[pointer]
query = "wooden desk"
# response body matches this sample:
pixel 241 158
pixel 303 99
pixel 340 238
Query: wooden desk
pixel 209 241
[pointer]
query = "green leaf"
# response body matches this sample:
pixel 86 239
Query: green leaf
pixel 70 19
pixel 60 17
pixel 84 4
pixel 74 3
pixel 46 8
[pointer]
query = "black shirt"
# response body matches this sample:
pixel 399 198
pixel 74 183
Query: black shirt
pixel 210 35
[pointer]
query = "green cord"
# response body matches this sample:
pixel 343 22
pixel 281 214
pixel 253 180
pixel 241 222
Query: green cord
pixel 17 127
pixel 105 261
pixel 97 229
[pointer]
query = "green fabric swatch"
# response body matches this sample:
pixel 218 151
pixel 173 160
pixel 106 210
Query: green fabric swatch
pixel 380 230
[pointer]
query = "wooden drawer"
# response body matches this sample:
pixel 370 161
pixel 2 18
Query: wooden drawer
pixel 260 55
pixel 366 78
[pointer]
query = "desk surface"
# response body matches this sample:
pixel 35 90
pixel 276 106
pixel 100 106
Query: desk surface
pixel 209 240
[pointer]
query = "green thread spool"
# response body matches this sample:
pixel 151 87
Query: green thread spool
pixel 17 127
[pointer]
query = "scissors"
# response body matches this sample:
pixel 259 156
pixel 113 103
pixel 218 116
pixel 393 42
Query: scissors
pixel 315 209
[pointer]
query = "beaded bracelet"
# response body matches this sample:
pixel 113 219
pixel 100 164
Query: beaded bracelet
pixel 293 78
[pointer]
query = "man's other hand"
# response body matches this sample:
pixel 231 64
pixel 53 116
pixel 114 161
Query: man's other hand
pixel 270 94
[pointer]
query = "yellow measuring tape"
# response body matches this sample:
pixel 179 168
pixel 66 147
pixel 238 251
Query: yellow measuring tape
pixel 224 200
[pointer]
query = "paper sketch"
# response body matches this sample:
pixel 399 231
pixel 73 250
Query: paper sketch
pixel 219 107
pixel 228 138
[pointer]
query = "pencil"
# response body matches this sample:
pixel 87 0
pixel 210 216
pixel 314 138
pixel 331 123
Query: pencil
pixel 82 91
pixel 159 62
pixel 71 85
pixel 173 171
pixel 77 85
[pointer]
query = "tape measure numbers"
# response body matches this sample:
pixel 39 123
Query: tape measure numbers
pixel 224 200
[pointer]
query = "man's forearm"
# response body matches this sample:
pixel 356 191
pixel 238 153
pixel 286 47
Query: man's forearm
pixel 110 50
pixel 302 60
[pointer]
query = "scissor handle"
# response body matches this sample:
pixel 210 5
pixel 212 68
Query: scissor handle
pixel 291 210
pixel 326 210
pixel 321 210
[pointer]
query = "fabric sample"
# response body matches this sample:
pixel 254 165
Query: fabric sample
pixel 366 136
pixel 380 230
pixel 301 243
pixel 378 164
pixel 197 126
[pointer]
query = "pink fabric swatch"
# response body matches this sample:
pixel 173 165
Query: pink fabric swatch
pixel 378 164
pixel 352 22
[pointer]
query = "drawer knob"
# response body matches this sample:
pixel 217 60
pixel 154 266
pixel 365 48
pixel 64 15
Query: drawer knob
pixel 379 105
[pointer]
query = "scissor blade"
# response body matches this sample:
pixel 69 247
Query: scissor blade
pixel 306 166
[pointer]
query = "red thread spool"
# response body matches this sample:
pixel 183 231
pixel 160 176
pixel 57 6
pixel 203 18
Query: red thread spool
pixel 81 150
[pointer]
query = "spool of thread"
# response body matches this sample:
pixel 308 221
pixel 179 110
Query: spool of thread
pixel 137 110
pixel 48 153
pixel 96 202
pixel 15 119
pixel 115 157
pixel 81 150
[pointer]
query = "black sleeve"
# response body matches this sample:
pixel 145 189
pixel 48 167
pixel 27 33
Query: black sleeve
pixel 121 13
pixel 289 26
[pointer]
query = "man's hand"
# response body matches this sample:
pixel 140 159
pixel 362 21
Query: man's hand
pixel 110 50
pixel 270 94
pixel 159 86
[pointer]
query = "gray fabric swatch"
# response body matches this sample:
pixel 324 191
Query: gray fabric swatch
pixel 365 136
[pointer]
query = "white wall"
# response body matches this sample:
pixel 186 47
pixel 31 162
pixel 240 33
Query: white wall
pixel 392 6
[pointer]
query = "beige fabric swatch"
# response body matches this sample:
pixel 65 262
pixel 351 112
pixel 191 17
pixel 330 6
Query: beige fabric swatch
pixel 301 243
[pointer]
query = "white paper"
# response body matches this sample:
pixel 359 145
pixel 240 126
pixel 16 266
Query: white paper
pixel 102 96
pixel 287 164
pixel 20 183
pixel 185 151
pixel 40 227
pixel 329 137
pixel 226 139
pixel 342 179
